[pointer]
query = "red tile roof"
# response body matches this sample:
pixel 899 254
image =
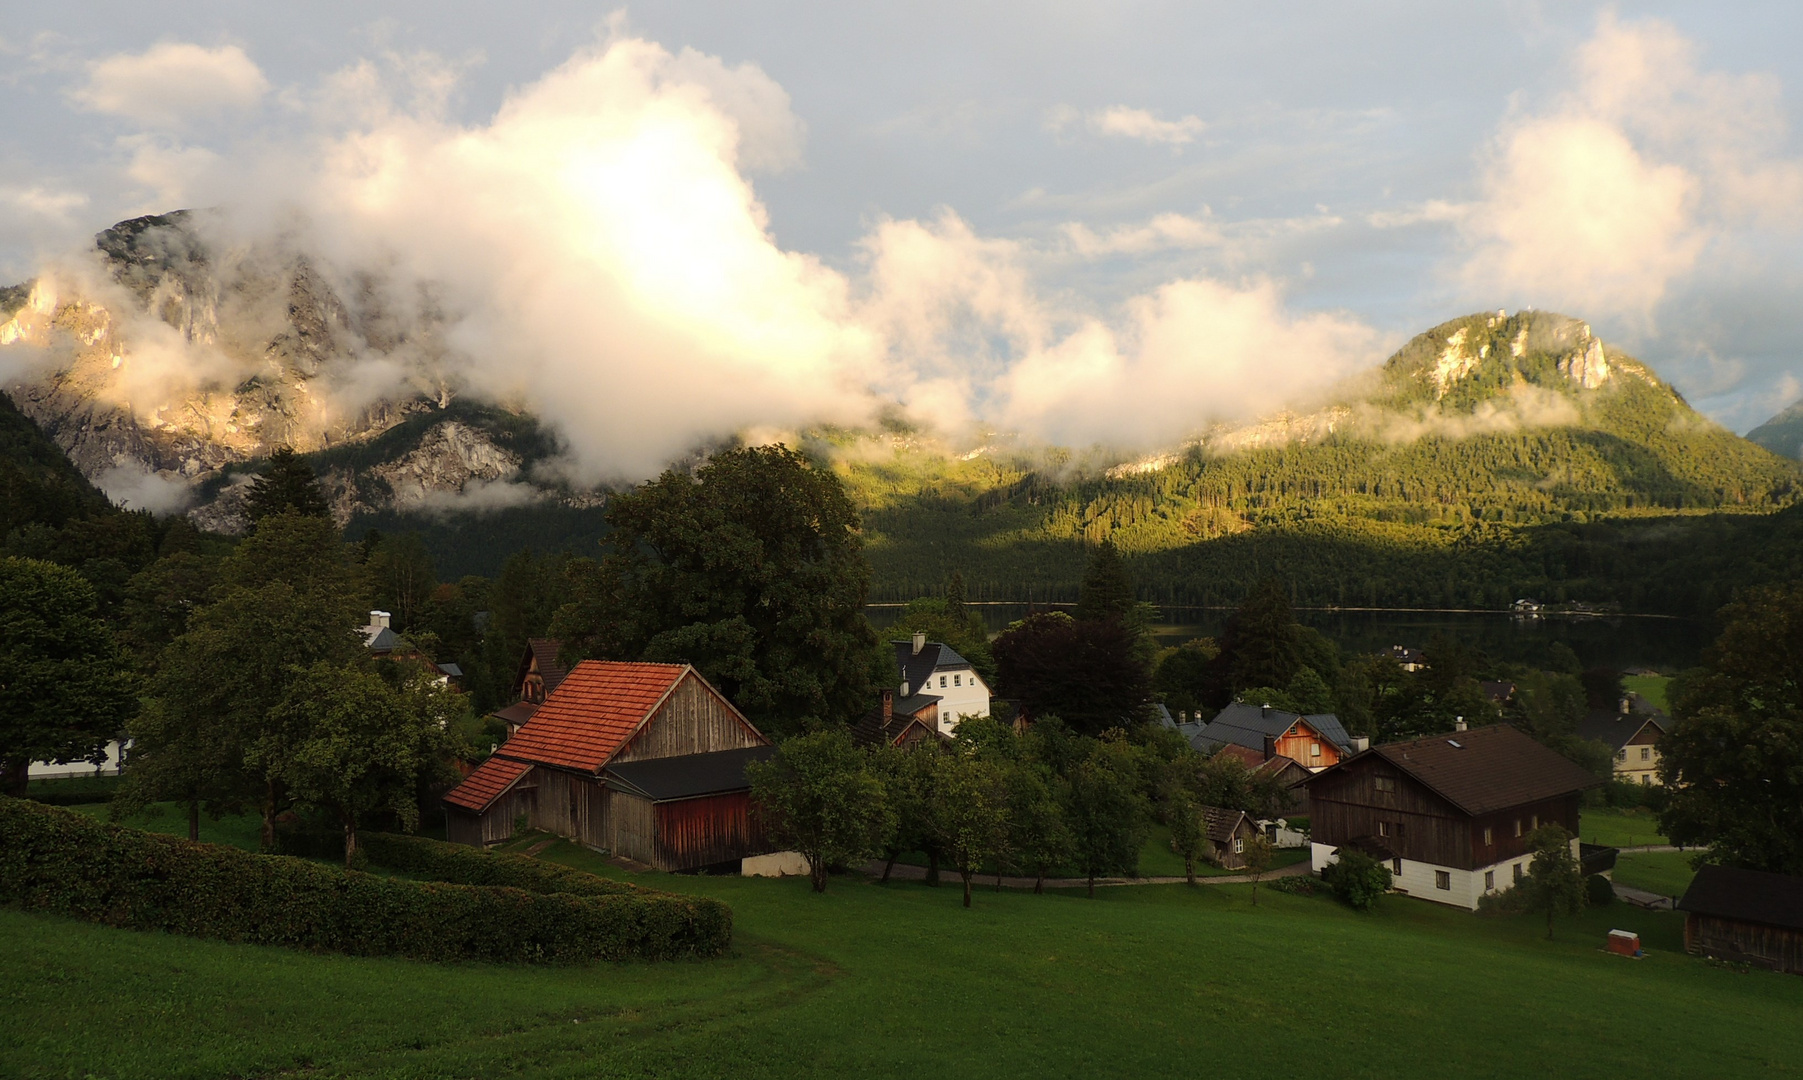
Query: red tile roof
pixel 592 713
pixel 489 782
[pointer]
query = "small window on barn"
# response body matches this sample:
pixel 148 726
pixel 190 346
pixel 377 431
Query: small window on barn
pixel 1486 837
pixel 1442 880
pixel 1534 822
pixel 1489 881
pixel 1383 828
pixel 1386 783
pixel 1314 749
pixel 1517 826
pixel 1239 845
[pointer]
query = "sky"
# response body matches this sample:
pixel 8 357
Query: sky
pixel 1098 222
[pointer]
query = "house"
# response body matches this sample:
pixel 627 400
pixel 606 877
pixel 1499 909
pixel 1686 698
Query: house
pixel 537 674
pixel 1632 735
pixel 641 760
pixel 1316 741
pixel 1499 692
pixel 1228 832
pixel 1527 607
pixel 1746 916
pixel 1450 814
pixel 1406 658
pixel 1292 776
pixel 934 675
pixel 884 724
pixel 383 643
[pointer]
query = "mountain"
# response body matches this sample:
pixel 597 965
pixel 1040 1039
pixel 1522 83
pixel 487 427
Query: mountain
pixel 1782 434
pixel 1493 456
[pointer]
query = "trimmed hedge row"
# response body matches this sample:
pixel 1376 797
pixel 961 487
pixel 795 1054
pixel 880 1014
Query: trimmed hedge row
pixel 57 861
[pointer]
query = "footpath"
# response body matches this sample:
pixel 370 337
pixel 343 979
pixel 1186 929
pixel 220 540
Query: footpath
pixel 908 872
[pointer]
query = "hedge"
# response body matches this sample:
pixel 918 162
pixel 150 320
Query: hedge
pixel 62 862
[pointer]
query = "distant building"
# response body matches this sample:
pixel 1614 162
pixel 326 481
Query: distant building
pixel 1449 814
pixel 1632 735
pixel 1314 741
pixel 383 643
pixel 1527 607
pixel 1406 658
pixel 1746 916
pixel 1500 692
pixel 1228 833
pixel 934 676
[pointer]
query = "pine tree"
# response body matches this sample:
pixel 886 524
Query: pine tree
pixel 954 598
pixel 286 485
pixel 1107 589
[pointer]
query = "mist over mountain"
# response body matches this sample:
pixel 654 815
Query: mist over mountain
pixel 1782 434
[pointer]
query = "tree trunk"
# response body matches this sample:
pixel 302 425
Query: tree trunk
pixel 350 839
pixel 933 869
pixel 998 881
pixel 1255 891
pixel 1549 923
pixel 966 875
pixel 1039 884
pixel 15 777
pixel 1092 884
pixel 817 873
pixel 1189 868
pixel 194 820
pixel 889 866
pixel 267 838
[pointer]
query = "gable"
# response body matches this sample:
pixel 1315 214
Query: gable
pixel 693 718
pixel 592 713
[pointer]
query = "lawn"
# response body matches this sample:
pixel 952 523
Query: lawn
pixel 1650 687
pixel 900 981
pixel 1619 828
pixel 236 830
pixel 1667 873
pixel 1156 859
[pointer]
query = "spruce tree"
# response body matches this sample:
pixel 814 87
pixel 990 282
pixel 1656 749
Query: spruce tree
pixel 954 598
pixel 286 484
pixel 1107 591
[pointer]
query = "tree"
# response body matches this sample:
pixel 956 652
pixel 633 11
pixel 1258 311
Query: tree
pixel 1310 692
pixel 345 741
pixel 1356 879
pixel 65 691
pixel 1733 761
pixel 159 599
pixel 1183 676
pixel 818 797
pixel 908 776
pixel 286 485
pixel 400 570
pixel 1261 645
pixel 954 599
pixel 1189 836
pixel 970 812
pixel 1105 813
pixel 1039 840
pixel 1089 673
pixel 751 568
pixel 1555 882
pixel 1107 591
pixel 1258 854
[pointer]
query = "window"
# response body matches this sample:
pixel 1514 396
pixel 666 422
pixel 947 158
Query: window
pixel 1385 783
pixel 1646 778
pixel 1621 755
pixel 1489 881
pixel 957 680
pixel 1486 837
pixel 942 682
pixel 1517 871
pixel 1517 826
pixel 1646 753
pixel 1443 880
pixel 1396 867
pixel 1314 749
pixel 1383 828
pixel 1239 845
pixel 1534 821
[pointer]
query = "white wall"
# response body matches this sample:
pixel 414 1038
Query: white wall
pixel 970 698
pixel 1417 878
pixel 50 770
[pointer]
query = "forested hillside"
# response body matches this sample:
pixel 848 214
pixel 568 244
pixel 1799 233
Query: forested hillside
pixel 1782 434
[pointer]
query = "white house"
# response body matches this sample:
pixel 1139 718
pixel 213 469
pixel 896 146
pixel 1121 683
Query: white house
pixel 934 674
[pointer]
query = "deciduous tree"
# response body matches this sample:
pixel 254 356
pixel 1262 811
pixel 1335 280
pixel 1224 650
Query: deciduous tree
pixel 1554 884
pixel 818 796
pixel 970 812
pixel 1106 816
pixel 1088 672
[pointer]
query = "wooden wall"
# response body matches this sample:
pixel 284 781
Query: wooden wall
pixel 496 823
pixel 1296 745
pixel 629 827
pixel 568 805
pixel 1504 843
pixel 1744 942
pixel 707 831
pixel 692 720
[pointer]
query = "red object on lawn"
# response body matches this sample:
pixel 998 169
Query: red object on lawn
pixel 1624 943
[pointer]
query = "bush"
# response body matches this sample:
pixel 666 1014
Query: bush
pixel 1297 885
pixel 1356 879
pixel 1598 891
pixel 57 861
pixel 1511 901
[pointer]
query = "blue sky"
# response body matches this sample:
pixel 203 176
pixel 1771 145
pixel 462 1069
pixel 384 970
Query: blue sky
pixel 1373 168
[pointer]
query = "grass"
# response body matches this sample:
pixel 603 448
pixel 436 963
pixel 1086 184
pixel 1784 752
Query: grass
pixel 1619 828
pixel 1156 859
pixel 236 830
pixel 1667 873
pixel 899 980
pixel 1650 687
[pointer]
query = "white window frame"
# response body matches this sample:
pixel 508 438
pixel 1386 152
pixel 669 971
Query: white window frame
pixel 1239 845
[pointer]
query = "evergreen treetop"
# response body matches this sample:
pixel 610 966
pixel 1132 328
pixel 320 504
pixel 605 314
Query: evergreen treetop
pixel 286 485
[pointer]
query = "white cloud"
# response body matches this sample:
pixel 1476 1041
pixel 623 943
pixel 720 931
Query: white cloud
pixel 133 487
pixel 173 83
pixel 1121 121
pixel 42 202
pixel 1602 203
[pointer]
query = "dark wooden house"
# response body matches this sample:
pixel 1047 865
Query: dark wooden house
pixel 899 722
pixel 1450 814
pixel 1746 916
pixel 641 760
pixel 538 673
pixel 1228 832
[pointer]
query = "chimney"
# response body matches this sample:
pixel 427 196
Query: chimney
pixel 920 642
pixel 904 688
pixel 1264 710
pixel 888 708
pixel 1361 743
pixel 378 618
pixel 1626 706
pixel 1458 724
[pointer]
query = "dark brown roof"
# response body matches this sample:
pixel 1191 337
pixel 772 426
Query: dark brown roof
pixel 689 776
pixel 1726 892
pixel 1278 764
pixel 1252 758
pixel 1219 825
pixel 544 652
pixel 1482 770
pixel 516 714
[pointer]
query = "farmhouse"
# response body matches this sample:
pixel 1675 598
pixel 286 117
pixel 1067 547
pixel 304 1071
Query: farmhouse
pixel 643 760
pixel 885 725
pixel 1633 736
pixel 1316 742
pixel 1450 814
pixel 937 684
pixel 1746 916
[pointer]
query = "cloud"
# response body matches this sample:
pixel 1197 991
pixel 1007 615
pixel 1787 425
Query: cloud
pixel 39 201
pixel 1607 199
pixel 135 488
pixel 173 83
pixel 1120 121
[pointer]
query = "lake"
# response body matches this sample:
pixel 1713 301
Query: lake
pixel 1621 641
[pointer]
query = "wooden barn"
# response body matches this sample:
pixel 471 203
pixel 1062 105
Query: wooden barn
pixel 1746 916
pixel 1450 814
pixel 1228 832
pixel 646 761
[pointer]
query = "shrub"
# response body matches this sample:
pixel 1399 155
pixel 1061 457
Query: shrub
pixel 57 861
pixel 1598 891
pixel 1298 885
pixel 1356 879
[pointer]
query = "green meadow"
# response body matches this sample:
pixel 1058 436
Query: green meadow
pixel 899 980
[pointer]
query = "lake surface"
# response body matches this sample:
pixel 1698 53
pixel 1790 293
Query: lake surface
pixel 1625 641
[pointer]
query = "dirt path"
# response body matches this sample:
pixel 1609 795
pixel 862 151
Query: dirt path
pixel 906 872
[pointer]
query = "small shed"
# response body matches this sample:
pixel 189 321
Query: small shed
pixel 1746 916
pixel 1228 832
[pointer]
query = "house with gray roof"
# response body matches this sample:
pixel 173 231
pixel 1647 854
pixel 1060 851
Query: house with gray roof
pixel 1315 741
pixel 937 684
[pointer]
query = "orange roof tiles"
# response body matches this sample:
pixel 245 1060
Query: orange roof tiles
pixel 592 713
pixel 490 780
